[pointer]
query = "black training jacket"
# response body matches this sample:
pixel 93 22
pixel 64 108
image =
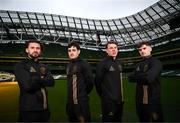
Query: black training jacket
pixel 146 75
pixel 79 81
pixel 108 80
pixel 32 79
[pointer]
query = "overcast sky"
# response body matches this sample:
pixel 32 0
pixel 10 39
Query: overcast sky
pixel 91 9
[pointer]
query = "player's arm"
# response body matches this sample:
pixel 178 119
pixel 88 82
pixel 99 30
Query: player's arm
pixel 88 77
pixel 27 81
pixel 46 78
pixel 154 71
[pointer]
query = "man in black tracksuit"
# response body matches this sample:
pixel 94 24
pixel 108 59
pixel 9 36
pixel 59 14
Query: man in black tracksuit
pixel 32 78
pixel 80 84
pixel 146 76
pixel 108 82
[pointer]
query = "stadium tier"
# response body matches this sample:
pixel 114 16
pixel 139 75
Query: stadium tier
pixel 56 55
pixel 158 24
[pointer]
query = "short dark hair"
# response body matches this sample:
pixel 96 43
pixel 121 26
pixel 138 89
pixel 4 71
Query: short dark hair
pixel 147 43
pixel 111 42
pixel 74 44
pixel 34 41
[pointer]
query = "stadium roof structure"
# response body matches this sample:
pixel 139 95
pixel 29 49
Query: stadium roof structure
pixel 161 20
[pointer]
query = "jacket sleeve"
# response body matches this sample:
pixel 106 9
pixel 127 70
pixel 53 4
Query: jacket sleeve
pixel 152 73
pixel 46 78
pixel 99 78
pixel 137 76
pixel 88 77
pixel 27 81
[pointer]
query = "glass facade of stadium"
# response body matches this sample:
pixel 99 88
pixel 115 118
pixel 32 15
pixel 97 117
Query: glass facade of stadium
pixel 151 24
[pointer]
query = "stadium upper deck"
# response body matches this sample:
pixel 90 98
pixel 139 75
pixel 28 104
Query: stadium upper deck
pixel 157 21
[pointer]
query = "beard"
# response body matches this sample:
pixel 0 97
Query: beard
pixel 34 55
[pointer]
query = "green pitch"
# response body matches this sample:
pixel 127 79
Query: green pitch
pixel 57 101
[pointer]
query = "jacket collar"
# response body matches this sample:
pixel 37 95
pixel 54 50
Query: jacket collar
pixel 31 60
pixel 111 58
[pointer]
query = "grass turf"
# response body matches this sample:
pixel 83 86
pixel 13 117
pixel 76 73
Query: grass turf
pixel 57 100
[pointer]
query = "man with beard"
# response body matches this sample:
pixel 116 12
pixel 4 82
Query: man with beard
pixel 33 78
